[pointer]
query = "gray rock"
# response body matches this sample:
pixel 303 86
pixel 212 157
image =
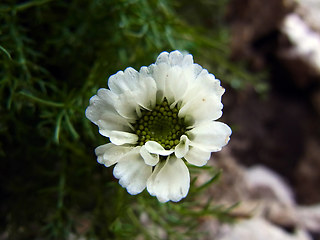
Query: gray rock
pixel 260 229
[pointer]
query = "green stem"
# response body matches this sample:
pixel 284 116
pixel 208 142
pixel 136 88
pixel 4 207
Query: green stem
pixel 6 52
pixel 58 127
pixel 46 102
pixel 19 47
pixel 24 6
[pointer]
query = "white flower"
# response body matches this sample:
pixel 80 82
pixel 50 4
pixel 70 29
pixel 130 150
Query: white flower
pixel 157 119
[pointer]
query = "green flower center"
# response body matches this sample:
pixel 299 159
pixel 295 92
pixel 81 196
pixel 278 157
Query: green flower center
pixel 161 125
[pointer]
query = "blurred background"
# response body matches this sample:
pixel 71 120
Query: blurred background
pixel 55 55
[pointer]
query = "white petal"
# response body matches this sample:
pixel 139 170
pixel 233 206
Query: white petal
pixel 174 75
pixel 149 158
pixel 159 74
pixel 102 112
pixel 187 61
pixel 182 148
pixel 166 71
pixel 132 172
pixel 175 58
pixel 144 72
pixel 120 138
pixel 170 181
pixel 210 136
pixel 148 92
pixel 202 108
pixel 109 154
pixel 111 122
pixel 122 82
pixel 156 148
pixel 163 58
pixel 100 152
pixel 197 156
pixel 126 105
pixel 151 179
pixel 183 81
pixel 133 89
pixel 197 69
pixel 202 100
pixel 210 82
pixel 177 84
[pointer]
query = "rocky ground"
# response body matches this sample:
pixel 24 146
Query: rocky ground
pixel 272 163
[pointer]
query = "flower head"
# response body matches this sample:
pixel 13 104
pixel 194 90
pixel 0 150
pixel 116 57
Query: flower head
pixel 158 119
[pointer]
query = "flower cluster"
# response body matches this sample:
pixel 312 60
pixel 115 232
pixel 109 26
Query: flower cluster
pixel 158 119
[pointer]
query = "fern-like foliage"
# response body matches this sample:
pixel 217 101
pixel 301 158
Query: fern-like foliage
pixel 54 55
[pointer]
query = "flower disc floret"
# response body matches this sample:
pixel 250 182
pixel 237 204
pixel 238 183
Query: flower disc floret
pixel 161 125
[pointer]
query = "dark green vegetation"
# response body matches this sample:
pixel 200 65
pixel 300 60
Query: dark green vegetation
pixel 54 55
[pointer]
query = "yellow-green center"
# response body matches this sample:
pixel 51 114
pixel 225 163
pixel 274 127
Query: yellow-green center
pixel 161 125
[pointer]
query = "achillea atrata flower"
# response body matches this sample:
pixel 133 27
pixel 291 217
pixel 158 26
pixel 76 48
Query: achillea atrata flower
pixel 158 119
